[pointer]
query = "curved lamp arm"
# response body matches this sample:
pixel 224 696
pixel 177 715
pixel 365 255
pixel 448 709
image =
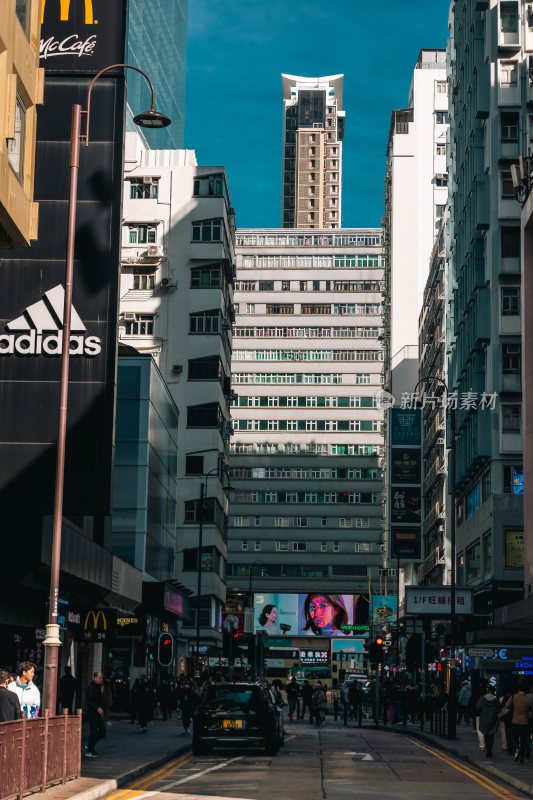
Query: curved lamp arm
pixel 85 136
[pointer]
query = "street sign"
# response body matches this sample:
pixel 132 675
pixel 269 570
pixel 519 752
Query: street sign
pixel 480 652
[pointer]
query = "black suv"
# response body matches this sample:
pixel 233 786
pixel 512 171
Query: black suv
pixel 237 715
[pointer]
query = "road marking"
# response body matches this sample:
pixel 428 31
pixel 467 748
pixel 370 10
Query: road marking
pixel 483 781
pixel 189 778
pixel 159 775
pixel 366 756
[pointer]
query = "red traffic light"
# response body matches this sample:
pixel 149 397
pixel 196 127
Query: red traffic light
pixel 166 640
pixel 379 641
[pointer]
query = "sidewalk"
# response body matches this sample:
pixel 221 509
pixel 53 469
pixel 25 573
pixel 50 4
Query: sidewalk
pixel 124 755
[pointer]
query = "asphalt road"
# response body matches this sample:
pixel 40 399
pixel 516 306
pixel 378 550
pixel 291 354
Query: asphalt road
pixel 332 763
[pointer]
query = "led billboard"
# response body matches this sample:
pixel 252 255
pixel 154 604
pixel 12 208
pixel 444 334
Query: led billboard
pixel 309 614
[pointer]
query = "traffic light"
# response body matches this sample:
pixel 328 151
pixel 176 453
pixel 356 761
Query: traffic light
pixel 165 649
pixel 375 651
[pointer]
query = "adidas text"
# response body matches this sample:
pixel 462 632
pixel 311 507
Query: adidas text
pixel 36 344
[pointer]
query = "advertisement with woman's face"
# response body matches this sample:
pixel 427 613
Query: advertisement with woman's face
pixel 312 614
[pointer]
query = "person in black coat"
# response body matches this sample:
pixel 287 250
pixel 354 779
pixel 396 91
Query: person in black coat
pixel 9 702
pixel 95 713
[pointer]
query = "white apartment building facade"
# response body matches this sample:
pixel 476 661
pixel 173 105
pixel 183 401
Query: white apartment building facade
pixel 313 130
pixel 415 197
pixel 176 303
pixel 305 454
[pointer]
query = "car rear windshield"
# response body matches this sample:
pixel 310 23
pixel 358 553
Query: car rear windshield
pixel 231 696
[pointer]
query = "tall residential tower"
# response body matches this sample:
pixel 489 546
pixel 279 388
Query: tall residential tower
pixel 313 129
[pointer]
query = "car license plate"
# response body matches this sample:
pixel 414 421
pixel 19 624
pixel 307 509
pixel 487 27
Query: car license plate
pixel 232 723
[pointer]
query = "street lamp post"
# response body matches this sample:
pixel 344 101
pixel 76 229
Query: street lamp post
pixel 151 119
pixel 203 493
pixel 452 698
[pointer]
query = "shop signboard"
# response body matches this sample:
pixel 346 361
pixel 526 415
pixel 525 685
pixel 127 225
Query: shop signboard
pixel 405 465
pixel 436 601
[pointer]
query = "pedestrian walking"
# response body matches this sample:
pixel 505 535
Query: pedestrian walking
pixel 307 701
pixel 9 703
pixel 166 699
pixel 145 703
pixel 67 690
pixel 320 705
pixel 520 706
pixel 487 709
pixel 187 703
pixel 463 701
pixel 293 691
pixel 95 713
pixel 24 688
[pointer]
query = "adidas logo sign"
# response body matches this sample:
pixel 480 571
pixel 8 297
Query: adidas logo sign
pixel 38 330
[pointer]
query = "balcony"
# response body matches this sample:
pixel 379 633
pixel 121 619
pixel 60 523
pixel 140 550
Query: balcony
pixel 434 559
pixel 437 514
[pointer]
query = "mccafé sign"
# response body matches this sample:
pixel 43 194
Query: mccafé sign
pixel 81 35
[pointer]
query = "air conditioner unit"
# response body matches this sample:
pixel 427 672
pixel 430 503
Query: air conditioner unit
pixel 226 324
pixel 165 282
pixel 155 250
pixel 440 440
pixel 147 179
pixel 129 316
pixel 177 369
pixel 227 430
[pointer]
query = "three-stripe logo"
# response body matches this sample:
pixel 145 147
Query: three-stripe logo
pixel 38 330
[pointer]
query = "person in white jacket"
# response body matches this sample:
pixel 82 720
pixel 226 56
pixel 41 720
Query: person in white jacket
pixel 28 694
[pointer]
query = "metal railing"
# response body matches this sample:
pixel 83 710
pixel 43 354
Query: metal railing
pixel 37 753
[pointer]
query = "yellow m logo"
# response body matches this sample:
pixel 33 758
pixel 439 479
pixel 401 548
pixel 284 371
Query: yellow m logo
pixel 95 618
pixel 64 9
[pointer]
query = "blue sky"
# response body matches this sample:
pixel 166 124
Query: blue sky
pixel 237 50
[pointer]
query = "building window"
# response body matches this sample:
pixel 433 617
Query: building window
pixel 473 558
pixel 487 553
pixel 282 547
pixel 285 286
pixel 345 522
pixel 323 547
pixel 244 545
pixel 209 186
pixel 511 358
pixel 280 308
pixel 510 242
pixel 441 87
pixel 508 73
pixel 207 277
pixel 143 280
pixel 205 322
pixel 336 547
pixel 194 465
pixel 206 415
pixel 257 546
pixel 440 149
pixel 441 179
pixel 281 522
pixel 266 286
pixel 510 301
pixel 142 325
pixel 323 522
pixel 509 21
pixel 204 369
pixel 16 145
pixel 441 118
pixel 509 127
pixel 241 522
pixel 299 547
pixel 141 234
pixel 144 188
pixel 301 522
pixel 208 230
pixel 513 479
pixel 22 10
pixel 362 547
pixel 507 188
pixel 511 419
pixel 249 308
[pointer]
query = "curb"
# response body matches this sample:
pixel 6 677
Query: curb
pixel 112 784
pixel 494 772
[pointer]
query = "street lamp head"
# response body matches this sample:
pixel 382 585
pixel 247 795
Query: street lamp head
pixel 151 119
pixel 229 488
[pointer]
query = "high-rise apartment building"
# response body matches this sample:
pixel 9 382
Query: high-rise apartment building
pixel 313 130
pixel 156 42
pixel 415 197
pixel 490 125
pixel 176 303
pixel 305 453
